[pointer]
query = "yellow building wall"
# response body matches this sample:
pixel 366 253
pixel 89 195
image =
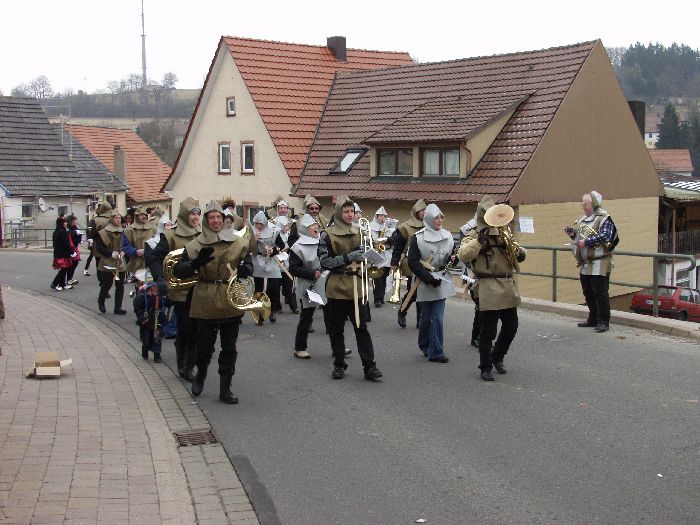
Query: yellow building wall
pixel 197 173
pixel 636 221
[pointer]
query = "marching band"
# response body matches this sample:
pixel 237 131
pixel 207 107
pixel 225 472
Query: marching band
pixel 332 265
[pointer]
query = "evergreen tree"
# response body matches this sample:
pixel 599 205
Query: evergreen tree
pixel 670 135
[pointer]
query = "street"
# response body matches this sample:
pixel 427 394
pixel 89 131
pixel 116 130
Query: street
pixel 583 428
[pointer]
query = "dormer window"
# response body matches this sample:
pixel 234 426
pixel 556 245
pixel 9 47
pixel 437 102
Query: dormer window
pixel 436 162
pixel 348 161
pixel 395 162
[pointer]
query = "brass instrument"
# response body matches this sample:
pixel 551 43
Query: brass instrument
pixel 499 216
pixel 587 231
pixel 168 270
pixel 396 287
pixel 236 293
pixel 366 243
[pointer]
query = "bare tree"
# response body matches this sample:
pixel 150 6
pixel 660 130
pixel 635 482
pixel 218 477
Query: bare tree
pixel 40 87
pixel 169 80
pixel 615 55
pixel 133 81
pixel 21 90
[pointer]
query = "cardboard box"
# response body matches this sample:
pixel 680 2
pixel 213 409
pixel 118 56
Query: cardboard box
pixel 47 364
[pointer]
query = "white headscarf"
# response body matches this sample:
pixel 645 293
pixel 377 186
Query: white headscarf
pixel 153 241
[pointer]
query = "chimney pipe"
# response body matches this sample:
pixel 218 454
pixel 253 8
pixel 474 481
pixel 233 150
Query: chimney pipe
pixel 338 47
pixel 120 163
pixel 638 108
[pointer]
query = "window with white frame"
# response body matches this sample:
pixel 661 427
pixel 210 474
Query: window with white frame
pixel 224 157
pixel 28 207
pixel 247 157
pixel 230 106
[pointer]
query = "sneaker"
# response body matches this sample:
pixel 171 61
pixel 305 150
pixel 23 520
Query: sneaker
pixel 487 376
pixel 302 354
pixel 372 373
pixel 348 352
pixel 57 288
pixel 338 373
pixel 73 282
pixel 85 272
pixel 68 287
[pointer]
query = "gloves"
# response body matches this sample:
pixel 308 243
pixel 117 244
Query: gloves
pixel 521 255
pixel 483 236
pixel 569 231
pixel 72 255
pixel 436 282
pixel 203 257
pixel 357 255
pixel 115 255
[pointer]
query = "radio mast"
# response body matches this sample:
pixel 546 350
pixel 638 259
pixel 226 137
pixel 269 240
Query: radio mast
pixel 144 80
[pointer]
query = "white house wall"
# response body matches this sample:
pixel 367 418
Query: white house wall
pixel 197 172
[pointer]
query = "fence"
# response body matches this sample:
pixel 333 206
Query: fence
pixel 687 242
pixel 21 237
pixel 655 279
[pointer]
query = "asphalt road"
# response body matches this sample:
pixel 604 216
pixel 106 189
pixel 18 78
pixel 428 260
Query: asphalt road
pixel 584 427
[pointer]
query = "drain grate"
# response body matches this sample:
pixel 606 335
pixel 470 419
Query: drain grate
pixel 188 438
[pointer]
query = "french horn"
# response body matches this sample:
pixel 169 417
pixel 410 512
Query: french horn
pixel 169 263
pixel 236 294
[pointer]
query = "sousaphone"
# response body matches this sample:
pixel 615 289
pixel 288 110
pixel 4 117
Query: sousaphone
pixel 498 215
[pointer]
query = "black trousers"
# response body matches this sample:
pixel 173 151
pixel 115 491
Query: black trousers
pixel 186 338
pixel 488 321
pixel 71 270
pixel 290 298
pixel 409 283
pixel 206 339
pixel 305 320
pixel 89 260
pixel 149 341
pixel 380 286
pixel 475 324
pixel 273 290
pixel 595 290
pixel 106 279
pixel 60 279
pixel 338 311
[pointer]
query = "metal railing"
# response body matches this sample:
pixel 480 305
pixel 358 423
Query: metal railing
pixel 655 279
pixel 21 237
pixel 687 242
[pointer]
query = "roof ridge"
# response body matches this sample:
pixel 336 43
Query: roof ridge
pixel 100 127
pixel 316 46
pixel 465 59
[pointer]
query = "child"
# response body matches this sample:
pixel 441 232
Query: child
pixel 150 306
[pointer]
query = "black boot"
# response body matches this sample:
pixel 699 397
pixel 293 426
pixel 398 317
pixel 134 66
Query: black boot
pixel 198 381
pixel 186 373
pixel 225 394
pixel 402 319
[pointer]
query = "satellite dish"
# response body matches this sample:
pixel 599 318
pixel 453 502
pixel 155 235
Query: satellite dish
pixel 42 205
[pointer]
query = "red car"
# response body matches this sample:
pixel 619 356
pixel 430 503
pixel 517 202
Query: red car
pixel 674 301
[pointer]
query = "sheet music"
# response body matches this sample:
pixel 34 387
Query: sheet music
pixel 448 284
pixel 374 258
pixel 314 297
pixel 282 257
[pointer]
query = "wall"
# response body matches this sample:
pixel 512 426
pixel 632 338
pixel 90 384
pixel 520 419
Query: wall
pixel 197 172
pixel 636 220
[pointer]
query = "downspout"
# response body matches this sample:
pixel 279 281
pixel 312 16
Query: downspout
pixel 469 157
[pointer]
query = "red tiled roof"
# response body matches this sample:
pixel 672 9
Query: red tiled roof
pixel 289 84
pixel 145 172
pixel 671 160
pixel 372 104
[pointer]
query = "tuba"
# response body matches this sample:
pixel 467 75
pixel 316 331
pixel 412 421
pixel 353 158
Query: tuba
pixel 499 216
pixel 168 270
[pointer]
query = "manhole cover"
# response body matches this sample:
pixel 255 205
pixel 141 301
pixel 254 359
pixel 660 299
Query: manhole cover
pixel 189 438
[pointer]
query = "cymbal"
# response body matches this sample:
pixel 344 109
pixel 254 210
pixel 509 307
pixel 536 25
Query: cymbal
pixel 499 215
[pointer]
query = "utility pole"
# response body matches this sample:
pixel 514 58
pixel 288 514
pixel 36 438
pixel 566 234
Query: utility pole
pixel 144 80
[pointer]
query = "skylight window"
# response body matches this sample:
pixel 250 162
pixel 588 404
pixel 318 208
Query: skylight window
pixel 349 160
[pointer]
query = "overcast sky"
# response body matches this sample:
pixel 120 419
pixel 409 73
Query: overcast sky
pixel 82 44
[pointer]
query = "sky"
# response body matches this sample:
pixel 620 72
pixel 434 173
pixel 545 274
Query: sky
pixel 83 44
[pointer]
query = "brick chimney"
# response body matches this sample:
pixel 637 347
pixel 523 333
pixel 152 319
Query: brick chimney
pixel 120 163
pixel 337 46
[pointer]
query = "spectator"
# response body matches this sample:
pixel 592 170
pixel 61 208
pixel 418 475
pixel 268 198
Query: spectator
pixel 61 255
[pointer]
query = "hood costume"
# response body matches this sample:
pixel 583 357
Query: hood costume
pixel 210 237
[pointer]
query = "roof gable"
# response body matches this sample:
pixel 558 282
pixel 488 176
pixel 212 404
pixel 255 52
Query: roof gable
pixel 671 160
pixel 145 172
pixel 289 84
pixel 366 104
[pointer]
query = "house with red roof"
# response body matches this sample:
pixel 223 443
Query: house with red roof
pixel 534 129
pixel 256 116
pixel 126 155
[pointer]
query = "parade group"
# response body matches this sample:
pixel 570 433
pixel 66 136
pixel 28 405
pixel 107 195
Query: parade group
pixel 186 268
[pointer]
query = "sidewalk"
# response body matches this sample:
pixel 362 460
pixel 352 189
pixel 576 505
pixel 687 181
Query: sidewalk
pixel 97 445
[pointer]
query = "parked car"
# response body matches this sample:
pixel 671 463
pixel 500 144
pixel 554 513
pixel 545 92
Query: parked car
pixel 676 302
